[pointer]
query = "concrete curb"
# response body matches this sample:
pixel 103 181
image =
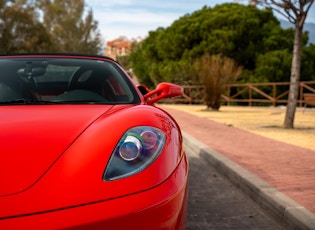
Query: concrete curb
pixel 284 210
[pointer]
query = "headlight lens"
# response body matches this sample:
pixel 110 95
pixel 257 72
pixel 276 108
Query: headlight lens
pixel 135 151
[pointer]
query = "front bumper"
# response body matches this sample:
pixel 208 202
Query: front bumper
pixel 161 207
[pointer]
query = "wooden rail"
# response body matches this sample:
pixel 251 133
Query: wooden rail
pixel 273 93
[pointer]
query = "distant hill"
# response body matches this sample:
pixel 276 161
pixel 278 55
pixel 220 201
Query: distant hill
pixel 310 27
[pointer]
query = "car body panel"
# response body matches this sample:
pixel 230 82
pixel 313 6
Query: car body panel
pixel 161 207
pixel 75 168
pixel 31 132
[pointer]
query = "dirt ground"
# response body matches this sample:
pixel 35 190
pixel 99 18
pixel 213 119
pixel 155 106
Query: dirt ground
pixel 265 121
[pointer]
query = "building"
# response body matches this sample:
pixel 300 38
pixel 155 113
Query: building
pixel 118 47
pixel 121 47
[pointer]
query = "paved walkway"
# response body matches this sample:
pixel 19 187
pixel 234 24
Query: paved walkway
pixel 288 168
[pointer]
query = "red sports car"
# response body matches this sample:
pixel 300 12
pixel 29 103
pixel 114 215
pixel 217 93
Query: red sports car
pixel 83 147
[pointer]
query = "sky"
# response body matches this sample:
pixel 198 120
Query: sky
pixel 135 18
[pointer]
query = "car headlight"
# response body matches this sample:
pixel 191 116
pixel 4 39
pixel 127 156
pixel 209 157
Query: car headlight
pixel 135 151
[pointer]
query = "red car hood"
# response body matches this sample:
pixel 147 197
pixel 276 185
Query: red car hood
pixel 34 137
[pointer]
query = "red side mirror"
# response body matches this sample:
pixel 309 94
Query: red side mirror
pixel 163 90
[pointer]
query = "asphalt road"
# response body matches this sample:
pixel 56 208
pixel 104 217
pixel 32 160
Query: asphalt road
pixel 215 203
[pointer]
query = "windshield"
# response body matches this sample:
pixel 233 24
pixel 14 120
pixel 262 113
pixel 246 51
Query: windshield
pixel 65 81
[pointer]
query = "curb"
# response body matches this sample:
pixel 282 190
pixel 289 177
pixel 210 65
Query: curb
pixel 285 211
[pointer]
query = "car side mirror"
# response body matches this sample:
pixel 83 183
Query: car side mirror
pixel 163 90
pixel 143 89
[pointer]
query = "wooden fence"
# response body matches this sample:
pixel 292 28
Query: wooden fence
pixel 273 93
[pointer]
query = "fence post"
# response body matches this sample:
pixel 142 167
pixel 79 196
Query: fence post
pixel 274 94
pixel 301 93
pixel 250 95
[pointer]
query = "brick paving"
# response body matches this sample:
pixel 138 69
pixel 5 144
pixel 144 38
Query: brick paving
pixel 288 168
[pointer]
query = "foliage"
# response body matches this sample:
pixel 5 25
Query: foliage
pixel 215 72
pixel 296 13
pixel 68 27
pixel 20 29
pixel 308 63
pixel 266 63
pixel 242 33
pixel 48 26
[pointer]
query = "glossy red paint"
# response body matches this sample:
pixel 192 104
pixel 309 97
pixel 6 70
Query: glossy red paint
pixel 161 207
pixel 164 90
pixel 53 158
pixel 33 132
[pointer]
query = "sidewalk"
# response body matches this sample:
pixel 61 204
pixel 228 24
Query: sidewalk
pixel 285 170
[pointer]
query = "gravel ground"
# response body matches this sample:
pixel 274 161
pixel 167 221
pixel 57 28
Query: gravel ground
pixel 265 121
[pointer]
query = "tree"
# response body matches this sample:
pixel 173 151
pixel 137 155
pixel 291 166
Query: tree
pixel 48 26
pixel 215 72
pixel 168 53
pixel 296 13
pixel 265 70
pixel 20 29
pixel 308 63
pixel 70 30
pixel 252 37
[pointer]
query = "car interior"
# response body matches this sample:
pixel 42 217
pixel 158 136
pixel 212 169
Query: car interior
pixel 64 81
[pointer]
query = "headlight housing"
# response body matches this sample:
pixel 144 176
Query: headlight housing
pixel 135 151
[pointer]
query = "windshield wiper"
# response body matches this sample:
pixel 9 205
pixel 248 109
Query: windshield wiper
pixel 24 101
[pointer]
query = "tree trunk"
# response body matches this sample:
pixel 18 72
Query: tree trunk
pixel 295 78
